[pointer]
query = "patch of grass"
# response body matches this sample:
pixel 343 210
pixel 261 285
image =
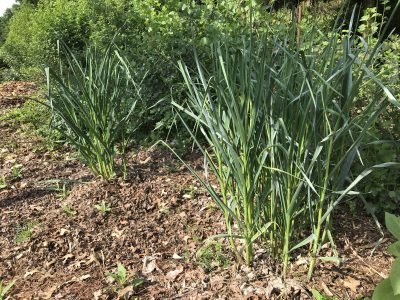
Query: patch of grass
pixel 17 171
pixel 60 188
pixel 212 255
pixel 25 231
pixel 281 138
pixel 33 120
pixel 103 206
pixel 68 210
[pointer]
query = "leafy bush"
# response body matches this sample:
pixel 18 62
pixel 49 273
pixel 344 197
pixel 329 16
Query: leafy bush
pixel 16 51
pixel 96 101
pixel 34 30
pixel 383 143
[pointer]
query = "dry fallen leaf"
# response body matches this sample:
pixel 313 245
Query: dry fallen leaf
pixel 29 273
pixel 171 275
pixel 117 233
pixel 149 264
pixel 63 231
pixel 352 284
pixel 67 257
pixel 97 295
pixel 126 292
pixel 176 256
pixel 326 290
pixel 48 293
pixel 275 286
pixel 83 277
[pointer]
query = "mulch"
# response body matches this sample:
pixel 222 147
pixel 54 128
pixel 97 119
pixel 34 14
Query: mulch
pixel 160 220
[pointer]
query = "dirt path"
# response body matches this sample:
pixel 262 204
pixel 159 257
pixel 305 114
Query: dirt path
pixel 59 246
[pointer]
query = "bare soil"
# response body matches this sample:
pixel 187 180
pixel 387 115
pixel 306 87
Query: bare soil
pixel 159 223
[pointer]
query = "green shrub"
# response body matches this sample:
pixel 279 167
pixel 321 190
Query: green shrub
pixel 382 188
pixel 17 51
pixel 34 30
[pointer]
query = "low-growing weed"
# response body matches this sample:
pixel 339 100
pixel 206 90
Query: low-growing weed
pixel 318 296
pixel 24 232
pixel 33 119
pixel 68 210
pixel 190 192
pixel 17 171
pixel 103 206
pixel 171 168
pixel 122 277
pixel 60 188
pixel 212 255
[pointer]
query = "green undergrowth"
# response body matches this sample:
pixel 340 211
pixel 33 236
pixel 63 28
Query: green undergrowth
pixel 25 231
pixel 213 255
pixel 33 120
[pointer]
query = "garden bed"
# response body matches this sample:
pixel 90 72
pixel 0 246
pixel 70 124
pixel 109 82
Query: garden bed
pixel 58 245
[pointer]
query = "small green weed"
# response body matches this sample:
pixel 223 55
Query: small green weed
pixel 25 231
pixel 192 230
pixel 60 188
pixel 17 171
pixel 4 289
pixel 103 206
pixel 318 296
pixel 68 210
pixel 212 255
pixel 190 192
pixel 164 209
pixel 122 277
pixel 3 182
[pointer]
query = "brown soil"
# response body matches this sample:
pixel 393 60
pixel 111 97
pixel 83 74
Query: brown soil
pixel 160 217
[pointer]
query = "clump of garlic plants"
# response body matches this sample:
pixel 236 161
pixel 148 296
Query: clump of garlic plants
pixel 95 98
pixel 281 136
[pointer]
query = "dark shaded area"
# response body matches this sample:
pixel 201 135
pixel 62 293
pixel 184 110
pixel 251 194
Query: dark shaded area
pixel 24 196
